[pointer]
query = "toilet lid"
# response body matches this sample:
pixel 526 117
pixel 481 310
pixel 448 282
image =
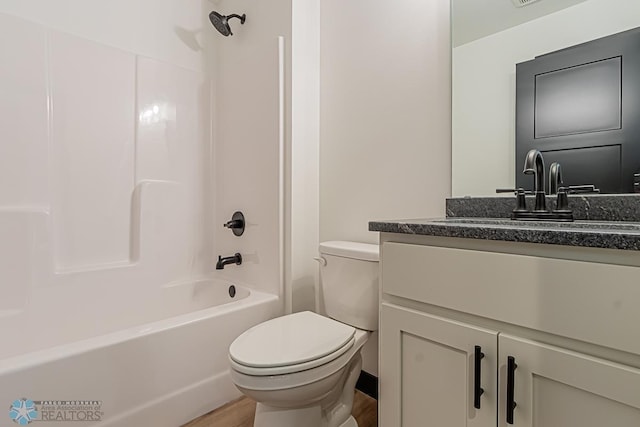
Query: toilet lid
pixel 290 340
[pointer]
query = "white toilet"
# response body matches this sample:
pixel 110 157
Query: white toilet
pixel 302 368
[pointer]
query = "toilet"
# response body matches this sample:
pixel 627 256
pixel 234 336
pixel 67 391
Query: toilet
pixel 302 368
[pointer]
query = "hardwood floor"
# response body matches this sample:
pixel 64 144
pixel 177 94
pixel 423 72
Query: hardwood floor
pixel 365 410
pixel 239 413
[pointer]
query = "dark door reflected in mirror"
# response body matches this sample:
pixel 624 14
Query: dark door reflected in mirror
pixel 570 106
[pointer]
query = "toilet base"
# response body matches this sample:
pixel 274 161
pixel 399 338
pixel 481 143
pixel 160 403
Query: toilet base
pixel 329 413
pixel 351 422
pixel 267 416
pixel 312 417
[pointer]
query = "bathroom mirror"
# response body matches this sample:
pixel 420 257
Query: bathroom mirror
pixel 489 38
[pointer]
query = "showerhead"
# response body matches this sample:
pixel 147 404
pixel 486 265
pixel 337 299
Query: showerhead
pixel 221 22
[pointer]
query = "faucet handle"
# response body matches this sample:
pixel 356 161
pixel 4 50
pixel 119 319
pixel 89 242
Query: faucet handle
pixel 562 211
pixel 562 201
pixel 521 202
pixel 513 190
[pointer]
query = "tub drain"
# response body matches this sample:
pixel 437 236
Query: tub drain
pixel 232 291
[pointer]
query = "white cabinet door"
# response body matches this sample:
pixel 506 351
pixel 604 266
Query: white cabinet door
pixel 428 369
pixel 555 387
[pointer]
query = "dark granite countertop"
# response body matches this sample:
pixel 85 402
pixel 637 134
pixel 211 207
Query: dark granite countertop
pixel 611 222
pixel 610 235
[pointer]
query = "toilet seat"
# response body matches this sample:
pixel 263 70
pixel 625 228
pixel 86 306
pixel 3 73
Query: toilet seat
pixel 289 344
pixel 293 380
pixel 291 369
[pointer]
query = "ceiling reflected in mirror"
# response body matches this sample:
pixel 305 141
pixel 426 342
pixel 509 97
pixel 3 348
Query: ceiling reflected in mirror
pixel 475 19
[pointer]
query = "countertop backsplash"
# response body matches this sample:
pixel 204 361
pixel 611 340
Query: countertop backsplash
pixel 592 207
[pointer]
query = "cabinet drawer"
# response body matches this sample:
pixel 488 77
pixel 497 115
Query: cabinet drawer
pixel 596 303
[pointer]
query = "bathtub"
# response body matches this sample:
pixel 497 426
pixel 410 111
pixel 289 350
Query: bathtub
pixel 161 372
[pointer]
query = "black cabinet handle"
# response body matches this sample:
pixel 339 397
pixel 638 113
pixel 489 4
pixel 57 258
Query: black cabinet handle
pixel 477 377
pixel 511 382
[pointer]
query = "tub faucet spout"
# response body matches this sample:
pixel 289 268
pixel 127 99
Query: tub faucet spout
pixel 235 259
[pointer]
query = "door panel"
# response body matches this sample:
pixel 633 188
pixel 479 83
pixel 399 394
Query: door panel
pixel 434 383
pixel 557 387
pixel 427 371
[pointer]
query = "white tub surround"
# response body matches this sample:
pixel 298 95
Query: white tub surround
pixel 160 373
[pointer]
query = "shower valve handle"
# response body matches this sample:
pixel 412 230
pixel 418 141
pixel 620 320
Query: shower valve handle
pixel 236 224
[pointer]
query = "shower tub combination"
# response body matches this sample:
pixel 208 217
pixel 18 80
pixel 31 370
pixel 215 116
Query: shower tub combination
pixel 102 330
pixel 162 367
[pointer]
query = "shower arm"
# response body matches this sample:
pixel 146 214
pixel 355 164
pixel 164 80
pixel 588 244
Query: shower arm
pixel 241 18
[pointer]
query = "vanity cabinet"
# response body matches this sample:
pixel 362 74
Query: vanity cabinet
pixel 558 337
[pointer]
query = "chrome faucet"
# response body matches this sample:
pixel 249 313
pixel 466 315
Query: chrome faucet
pixel 235 259
pixel 534 164
pixel 555 178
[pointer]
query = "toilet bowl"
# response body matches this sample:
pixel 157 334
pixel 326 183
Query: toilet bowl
pixel 302 368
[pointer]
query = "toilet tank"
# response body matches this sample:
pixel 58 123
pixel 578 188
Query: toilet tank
pixel 349 283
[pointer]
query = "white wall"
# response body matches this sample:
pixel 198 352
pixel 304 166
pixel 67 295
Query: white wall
pixel 304 178
pixel 385 118
pixel 484 87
